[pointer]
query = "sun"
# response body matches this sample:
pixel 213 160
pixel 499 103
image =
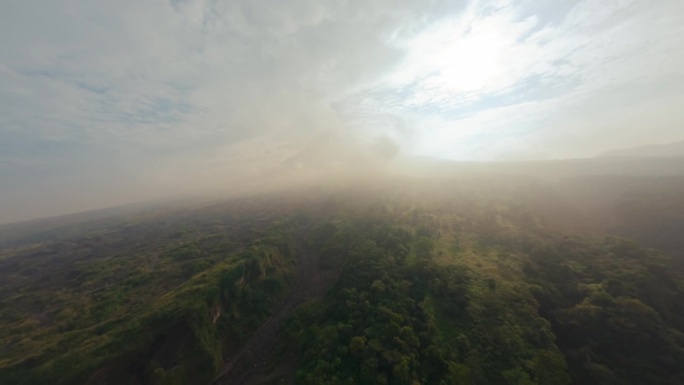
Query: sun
pixel 477 52
pixel 457 66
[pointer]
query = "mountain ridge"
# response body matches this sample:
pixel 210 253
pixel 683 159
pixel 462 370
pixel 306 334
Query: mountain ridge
pixel 674 149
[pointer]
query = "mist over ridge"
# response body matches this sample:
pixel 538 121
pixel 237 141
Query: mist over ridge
pixel 301 192
pixel 105 105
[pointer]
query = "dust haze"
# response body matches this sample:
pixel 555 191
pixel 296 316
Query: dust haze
pixel 102 105
pixel 345 192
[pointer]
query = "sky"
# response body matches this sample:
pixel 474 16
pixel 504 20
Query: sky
pixel 103 103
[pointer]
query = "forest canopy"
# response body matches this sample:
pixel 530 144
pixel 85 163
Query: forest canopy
pixel 409 281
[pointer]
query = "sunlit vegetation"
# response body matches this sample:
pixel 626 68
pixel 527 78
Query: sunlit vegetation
pixel 435 283
pixel 398 317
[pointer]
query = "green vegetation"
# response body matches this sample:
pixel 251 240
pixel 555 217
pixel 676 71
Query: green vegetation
pixel 616 309
pixel 399 317
pixel 469 284
pixel 152 317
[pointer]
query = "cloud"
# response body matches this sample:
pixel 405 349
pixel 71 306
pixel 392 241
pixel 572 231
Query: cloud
pixel 175 93
pixel 502 78
pixel 102 103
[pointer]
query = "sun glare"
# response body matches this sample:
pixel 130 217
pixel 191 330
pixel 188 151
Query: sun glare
pixel 456 63
pixel 464 57
pixel 466 63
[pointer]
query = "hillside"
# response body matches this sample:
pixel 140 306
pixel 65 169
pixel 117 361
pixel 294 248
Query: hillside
pixel 407 280
pixel 654 150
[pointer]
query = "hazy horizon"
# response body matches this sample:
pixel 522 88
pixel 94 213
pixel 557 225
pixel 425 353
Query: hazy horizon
pixel 105 104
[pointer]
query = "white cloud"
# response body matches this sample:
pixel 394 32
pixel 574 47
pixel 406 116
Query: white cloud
pixel 165 90
pixel 150 92
pixel 494 77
